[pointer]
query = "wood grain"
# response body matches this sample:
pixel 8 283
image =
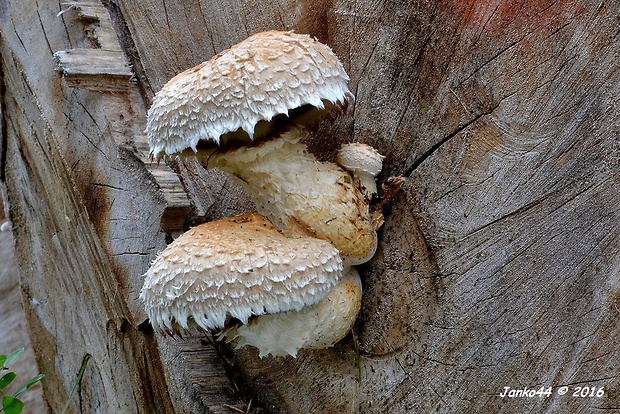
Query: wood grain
pixel 89 219
pixel 498 265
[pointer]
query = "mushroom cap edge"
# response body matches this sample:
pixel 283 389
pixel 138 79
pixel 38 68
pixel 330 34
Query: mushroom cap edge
pixel 265 75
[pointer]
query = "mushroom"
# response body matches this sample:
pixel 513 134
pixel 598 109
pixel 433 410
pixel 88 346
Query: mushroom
pixel 243 268
pixel 246 111
pixel 364 162
pixel 315 327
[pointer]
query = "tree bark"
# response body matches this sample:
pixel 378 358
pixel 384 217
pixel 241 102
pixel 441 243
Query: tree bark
pixel 498 264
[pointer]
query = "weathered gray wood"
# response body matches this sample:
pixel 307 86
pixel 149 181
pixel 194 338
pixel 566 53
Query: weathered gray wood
pixel 73 300
pixel 106 69
pixel 88 218
pixel 98 26
pixel 177 201
pixel 94 69
pixel 498 264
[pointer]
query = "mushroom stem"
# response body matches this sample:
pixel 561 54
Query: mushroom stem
pixel 367 183
pixel 301 195
pixel 314 327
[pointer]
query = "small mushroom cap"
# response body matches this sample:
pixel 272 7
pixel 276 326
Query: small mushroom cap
pixel 268 74
pixel 357 157
pixel 237 267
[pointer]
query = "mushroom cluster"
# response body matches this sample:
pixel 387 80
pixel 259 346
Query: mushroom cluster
pixel 248 111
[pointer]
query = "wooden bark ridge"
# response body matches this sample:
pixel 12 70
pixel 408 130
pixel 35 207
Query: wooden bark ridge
pixel 498 264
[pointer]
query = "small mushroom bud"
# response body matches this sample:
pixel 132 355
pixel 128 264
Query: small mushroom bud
pixel 6 226
pixel 364 162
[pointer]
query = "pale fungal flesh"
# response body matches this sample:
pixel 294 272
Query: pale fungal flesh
pixel 364 162
pixel 315 327
pixel 237 267
pixel 265 75
pixel 302 195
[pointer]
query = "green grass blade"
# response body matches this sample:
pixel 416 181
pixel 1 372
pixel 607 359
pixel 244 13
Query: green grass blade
pixel 77 382
pixel 29 384
pixel 13 356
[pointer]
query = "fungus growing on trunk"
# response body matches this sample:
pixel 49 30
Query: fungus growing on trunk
pixel 364 163
pixel 241 268
pixel 245 111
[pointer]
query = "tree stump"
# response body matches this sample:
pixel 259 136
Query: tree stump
pixel 498 264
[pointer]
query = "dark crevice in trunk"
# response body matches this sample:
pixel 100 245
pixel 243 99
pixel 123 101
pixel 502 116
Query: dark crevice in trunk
pixel 435 147
pixel 438 145
pixel 3 124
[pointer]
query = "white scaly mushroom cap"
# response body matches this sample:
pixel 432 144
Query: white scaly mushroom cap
pixel 238 267
pixel 364 162
pixel 265 75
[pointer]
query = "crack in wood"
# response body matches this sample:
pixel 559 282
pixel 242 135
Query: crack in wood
pixel 127 45
pixel 49 46
pixel 107 186
pixel 21 42
pixel 3 123
pixel 409 171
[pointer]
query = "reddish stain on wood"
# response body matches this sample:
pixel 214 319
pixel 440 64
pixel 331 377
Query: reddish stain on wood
pixel 498 17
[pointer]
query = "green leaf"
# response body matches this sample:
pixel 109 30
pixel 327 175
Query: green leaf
pixel 7 379
pixel 29 384
pixel 13 356
pixel 2 360
pixel 12 405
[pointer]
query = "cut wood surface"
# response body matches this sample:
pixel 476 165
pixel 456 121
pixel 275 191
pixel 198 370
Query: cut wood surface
pixel 498 263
